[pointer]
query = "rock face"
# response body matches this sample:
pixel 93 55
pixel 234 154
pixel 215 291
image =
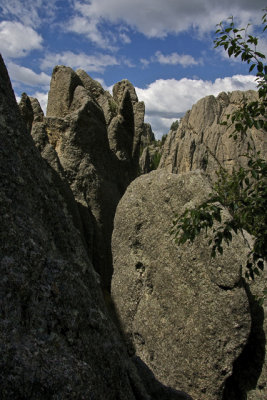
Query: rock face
pixel 127 130
pixel 150 158
pixel 96 138
pixel 186 315
pixel 56 338
pixel 202 143
pixel 30 110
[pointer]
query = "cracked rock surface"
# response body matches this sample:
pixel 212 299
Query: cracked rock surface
pixel 57 340
pixel 201 142
pixel 185 315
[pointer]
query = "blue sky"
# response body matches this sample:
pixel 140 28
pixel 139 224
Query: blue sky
pixel 164 47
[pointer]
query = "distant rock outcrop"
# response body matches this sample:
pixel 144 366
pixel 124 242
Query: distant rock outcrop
pixel 186 315
pixel 30 110
pixel 57 340
pixel 201 142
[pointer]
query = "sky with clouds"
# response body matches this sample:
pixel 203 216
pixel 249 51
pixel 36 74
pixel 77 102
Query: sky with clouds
pixel 164 47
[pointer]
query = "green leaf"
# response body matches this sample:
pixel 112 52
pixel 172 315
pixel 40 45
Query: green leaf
pixel 230 51
pixel 252 67
pixel 259 54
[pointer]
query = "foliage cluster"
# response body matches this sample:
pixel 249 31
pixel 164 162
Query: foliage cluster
pixel 155 160
pixel 163 139
pixel 113 107
pixel 174 125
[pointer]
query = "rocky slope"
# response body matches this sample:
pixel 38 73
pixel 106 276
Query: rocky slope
pixel 201 142
pixel 57 340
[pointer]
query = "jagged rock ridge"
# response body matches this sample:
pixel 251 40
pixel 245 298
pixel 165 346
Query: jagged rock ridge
pixel 97 140
pixel 201 142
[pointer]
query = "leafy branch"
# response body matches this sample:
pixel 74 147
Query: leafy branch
pixel 237 43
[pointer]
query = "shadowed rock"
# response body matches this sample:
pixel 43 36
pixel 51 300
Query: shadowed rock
pixel 30 110
pixel 56 338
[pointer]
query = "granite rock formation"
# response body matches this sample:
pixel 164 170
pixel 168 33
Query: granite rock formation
pixel 150 158
pixel 30 110
pixel 90 143
pixel 186 316
pixel 57 340
pixel 97 139
pixel 201 142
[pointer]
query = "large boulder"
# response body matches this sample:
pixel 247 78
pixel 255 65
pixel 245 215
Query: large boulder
pixel 56 338
pixel 202 142
pixel 186 315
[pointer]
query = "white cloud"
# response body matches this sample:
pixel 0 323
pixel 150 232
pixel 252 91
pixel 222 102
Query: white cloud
pixel 155 18
pixel 17 40
pixel 90 63
pixel 144 62
pixel 88 28
pixel 174 59
pixel 167 100
pixel 125 38
pixel 25 76
pixel 30 13
pixel 185 60
pixel 160 125
pixel 262 45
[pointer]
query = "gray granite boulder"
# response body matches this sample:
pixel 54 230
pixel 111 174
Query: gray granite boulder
pixel 186 315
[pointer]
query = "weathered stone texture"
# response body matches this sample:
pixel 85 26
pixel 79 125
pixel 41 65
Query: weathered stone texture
pixel 92 171
pixel 30 110
pixel 201 142
pixel 186 315
pixel 56 338
pixel 125 96
pixel 97 139
pixel 63 83
pixel 103 97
